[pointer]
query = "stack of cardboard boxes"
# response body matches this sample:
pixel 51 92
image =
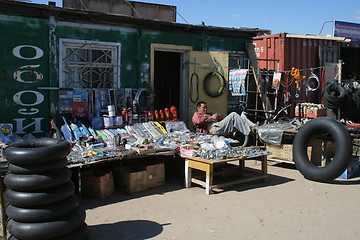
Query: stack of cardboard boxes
pixel 130 178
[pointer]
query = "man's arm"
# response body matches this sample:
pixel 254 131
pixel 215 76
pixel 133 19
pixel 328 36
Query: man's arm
pixel 199 119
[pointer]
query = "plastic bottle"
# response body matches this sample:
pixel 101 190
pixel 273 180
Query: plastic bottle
pixel 145 114
pixel 156 115
pixel 174 113
pixel 150 116
pixel 135 114
pixel 129 114
pixel 297 110
pixel 125 116
pixel 161 115
pixel 167 114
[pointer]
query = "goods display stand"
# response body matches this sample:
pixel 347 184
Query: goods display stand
pixel 208 165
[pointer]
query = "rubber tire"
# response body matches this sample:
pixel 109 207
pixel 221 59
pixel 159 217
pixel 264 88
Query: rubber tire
pixel 48 230
pixel 36 199
pixel 37 182
pixel 342 156
pixel 3 167
pixel 79 234
pixel 35 151
pixel 222 83
pixel 42 213
pixel 37 168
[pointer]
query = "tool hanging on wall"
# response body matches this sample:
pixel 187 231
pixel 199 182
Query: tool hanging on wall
pixel 194 85
pixel 295 72
pixel 310 87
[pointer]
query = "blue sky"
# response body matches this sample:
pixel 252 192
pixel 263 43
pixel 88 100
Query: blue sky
pixel 299 17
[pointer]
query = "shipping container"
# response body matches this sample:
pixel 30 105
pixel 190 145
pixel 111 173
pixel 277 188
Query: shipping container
pixel 292 50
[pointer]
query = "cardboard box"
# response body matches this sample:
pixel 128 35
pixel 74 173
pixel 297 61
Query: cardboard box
pixel 155 175
pixel 353 169
pixel 134 179
pixel 97 183
pixel 315 113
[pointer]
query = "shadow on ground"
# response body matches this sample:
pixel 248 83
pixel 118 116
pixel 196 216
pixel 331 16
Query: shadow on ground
pixel 337 181
pixel 273 180
pixel 134 230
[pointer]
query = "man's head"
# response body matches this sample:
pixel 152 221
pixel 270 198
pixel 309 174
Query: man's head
pixel 201 107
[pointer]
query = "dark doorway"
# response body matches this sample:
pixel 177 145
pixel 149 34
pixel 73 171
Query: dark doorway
pixel 351 68
pixel 166 79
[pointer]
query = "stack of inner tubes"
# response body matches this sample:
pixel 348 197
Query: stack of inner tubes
pixel 345 98
pixel 40 194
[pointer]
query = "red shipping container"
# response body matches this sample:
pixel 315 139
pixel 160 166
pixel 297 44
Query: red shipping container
pixel 292 50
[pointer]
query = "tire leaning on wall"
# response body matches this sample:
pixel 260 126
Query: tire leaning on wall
pixel 342 156
pixel 221 80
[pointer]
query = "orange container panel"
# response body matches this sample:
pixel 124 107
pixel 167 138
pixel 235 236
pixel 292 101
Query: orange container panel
pixel 300 51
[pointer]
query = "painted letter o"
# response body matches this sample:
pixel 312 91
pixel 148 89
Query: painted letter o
pixel 39 98
pixel 39 53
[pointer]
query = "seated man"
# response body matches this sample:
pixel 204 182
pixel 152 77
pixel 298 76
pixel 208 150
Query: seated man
pixel 217 124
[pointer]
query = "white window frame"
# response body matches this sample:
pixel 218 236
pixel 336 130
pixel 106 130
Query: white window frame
pixel 115 49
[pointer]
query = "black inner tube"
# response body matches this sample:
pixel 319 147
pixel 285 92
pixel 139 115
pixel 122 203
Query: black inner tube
pixel 207 84
pixel 342 156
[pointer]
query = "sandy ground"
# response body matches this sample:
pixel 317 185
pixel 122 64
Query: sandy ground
pixel 286 207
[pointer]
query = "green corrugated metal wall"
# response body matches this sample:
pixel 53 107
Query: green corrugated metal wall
pixel 29 56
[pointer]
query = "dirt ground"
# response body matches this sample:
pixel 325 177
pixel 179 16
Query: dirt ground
pixel 287 206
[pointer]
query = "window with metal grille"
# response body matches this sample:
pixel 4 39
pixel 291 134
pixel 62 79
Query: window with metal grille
pixel 89 64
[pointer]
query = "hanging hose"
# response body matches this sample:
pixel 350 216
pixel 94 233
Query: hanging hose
pixel 194 84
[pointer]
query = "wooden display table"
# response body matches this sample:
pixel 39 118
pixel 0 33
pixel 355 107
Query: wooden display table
pixel 207 165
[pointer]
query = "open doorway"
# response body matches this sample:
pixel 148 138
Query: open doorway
pixel 167 75
pixel 169 79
